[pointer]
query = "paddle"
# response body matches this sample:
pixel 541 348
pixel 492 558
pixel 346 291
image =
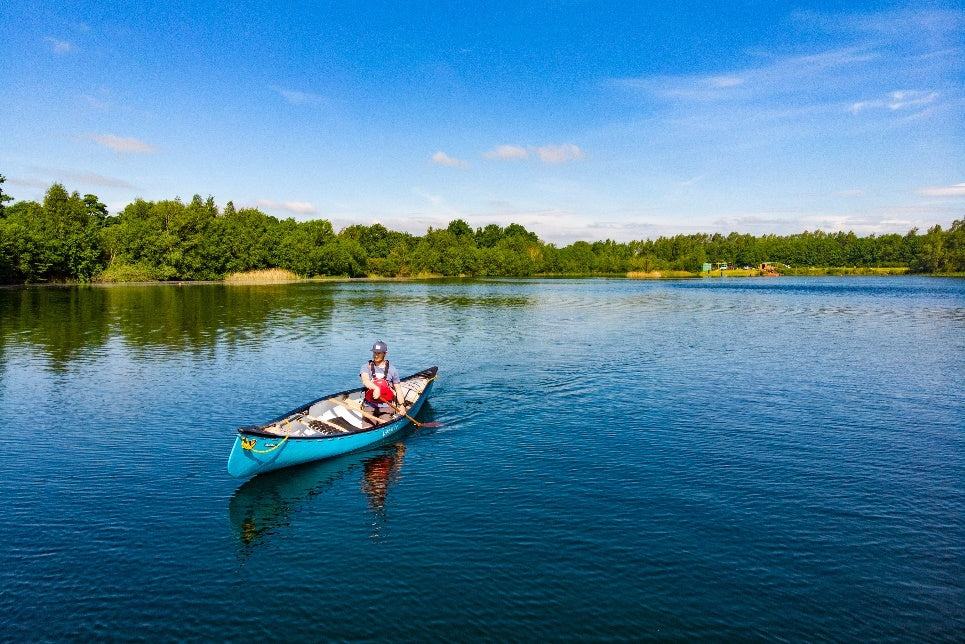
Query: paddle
pixel 414 421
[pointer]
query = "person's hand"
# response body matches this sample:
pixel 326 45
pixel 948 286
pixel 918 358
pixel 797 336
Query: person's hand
pixel 376 393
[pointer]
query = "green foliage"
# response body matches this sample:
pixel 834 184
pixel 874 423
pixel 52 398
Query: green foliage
pixel 69 237
pixel 121 272
pixel 459 228
pixel 59 240
pixel 3 197
pixel 489 236
pixel 940 251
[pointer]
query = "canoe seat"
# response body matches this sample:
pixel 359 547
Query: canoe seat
pixel 350 416
pixel 331 427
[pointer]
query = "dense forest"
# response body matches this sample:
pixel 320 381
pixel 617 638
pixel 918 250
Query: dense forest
pixel 74 238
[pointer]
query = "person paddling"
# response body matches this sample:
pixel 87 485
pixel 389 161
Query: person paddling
pixel 383 391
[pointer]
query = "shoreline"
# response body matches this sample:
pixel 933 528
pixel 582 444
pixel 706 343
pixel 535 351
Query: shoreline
pixel 653 275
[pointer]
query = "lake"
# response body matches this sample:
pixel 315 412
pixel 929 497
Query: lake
pixel 618 460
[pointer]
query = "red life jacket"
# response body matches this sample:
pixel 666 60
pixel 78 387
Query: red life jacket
pixel 385 389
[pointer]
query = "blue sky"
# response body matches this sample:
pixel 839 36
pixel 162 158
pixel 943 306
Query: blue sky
pixel 578 120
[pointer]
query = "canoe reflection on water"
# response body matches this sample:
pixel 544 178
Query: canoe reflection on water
pixel 264 505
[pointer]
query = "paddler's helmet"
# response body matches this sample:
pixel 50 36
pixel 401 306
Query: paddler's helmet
pixel 380 347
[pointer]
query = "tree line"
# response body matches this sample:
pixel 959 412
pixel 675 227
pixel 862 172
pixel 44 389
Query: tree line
pixel 73 238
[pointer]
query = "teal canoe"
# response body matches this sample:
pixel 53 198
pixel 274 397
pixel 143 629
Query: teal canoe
pixel 329 426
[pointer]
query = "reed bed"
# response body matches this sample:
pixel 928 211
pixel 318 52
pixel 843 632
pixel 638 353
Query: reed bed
pixel 655 275
pixel 262 277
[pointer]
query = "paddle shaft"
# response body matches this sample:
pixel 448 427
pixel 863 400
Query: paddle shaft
pixel 399 411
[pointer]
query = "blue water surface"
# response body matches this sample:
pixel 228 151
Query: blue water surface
pixel 618 460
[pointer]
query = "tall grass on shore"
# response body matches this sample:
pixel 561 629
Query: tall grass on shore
pixel 121 272
pixel 261 277
pixel 810 271
pixel 655 275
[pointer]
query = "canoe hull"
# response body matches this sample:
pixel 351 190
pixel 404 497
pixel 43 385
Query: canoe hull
pixel 254 452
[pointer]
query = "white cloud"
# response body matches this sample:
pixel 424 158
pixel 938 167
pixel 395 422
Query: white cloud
pixel 903 99
pixel 560 153
pixel 296 97
pixel 782 78
pixel 884 90
pixel 296 207
pixel 91 178
pixel 898 100
pixel 921 47
pixel 442 158
pixel 123 145
pixel 28 183
pixel 506 153
pixel 958 190
pixel 81 181
pixel 725 81
pixel 436 200
pixel 440 207
pixel 96 103
pixel 545 153
pixel 59 46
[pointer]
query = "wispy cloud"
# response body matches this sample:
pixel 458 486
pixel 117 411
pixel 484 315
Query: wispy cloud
pixel 725 81
pixel 103 100
pixel 83 178
pixel 910 23
pixel 91 178
pixel 558 225
pixel 296 97
pixel 884 65
pixel 96 103
pixel 435 200
pixel 545 153
pixel 782 78
pixel 442 158
pixel 898 100
pixel 440 209
pixel 506 153
pixel 123 145
pixel 59 46
pixel 28 183
pixel 958 190
pixel 296 207
pixel 560 153
pixel 687 183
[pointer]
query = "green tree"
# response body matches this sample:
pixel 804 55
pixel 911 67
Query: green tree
pixel 443 252
pixel 932 256
pixel 69 229
pixel 459 228
pixel 955 246
pixel 376 239
pixel 3 197
pixel 489 236
pixel 343 257
pixel 578 258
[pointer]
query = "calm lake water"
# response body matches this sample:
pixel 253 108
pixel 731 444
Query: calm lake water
pixel 741 459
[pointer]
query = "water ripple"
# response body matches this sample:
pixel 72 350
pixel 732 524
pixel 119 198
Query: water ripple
pixel 618 459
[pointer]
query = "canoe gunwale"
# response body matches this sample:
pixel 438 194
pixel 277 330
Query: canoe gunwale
pixel 256 430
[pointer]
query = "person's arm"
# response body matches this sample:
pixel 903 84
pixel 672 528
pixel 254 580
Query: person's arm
pixel 367 381
pixel 397 387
